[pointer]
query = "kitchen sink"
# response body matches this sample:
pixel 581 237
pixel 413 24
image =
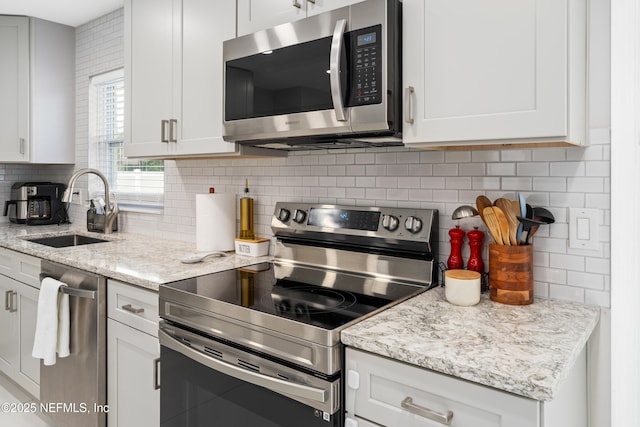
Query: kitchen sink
pixel 66 240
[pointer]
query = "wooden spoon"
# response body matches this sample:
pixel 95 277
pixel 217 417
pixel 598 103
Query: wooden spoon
pixel 503 223
pixel 507 208
pixel 482 202
pixel 491 221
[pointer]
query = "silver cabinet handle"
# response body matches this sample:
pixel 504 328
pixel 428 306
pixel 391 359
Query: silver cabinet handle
pixel 445 419
pixel 21 145
pixel 409 104
pixel 8 301
pixel 297 4
pixel 156 374
pixel 173 125
pixel 163 130
pixel 132 309
pixel 337 46
pixel 312 1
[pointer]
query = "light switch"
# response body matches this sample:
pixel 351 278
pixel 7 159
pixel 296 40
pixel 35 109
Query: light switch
pixel 583 229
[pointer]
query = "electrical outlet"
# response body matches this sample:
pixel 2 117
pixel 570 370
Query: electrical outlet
pixel 77 197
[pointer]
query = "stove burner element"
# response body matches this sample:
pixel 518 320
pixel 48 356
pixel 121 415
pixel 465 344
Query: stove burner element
pixel 310 300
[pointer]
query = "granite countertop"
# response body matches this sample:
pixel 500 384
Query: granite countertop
pixel 527 350
pixel 136 259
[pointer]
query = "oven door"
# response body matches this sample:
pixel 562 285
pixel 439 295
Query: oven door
pixel 205 383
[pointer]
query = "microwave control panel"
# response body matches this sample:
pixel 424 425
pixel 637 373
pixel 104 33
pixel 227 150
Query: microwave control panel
pixel 366 69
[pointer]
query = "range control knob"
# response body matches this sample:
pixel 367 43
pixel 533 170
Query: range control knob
pixel 299 216
pixel 390 222
pixel 413 224
pixel 284 214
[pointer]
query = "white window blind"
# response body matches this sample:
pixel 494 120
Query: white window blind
pixel 138 184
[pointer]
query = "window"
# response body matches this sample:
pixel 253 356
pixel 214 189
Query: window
pixel 138 184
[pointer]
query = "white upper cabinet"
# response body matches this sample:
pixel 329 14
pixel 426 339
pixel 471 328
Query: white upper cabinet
pixel 173 77
pixel 255 15
pixel 37 82
pixel 494 72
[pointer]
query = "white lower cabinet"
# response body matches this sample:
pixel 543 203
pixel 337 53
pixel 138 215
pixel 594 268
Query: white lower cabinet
pixel 133 356
pixel 16 341
pixel 19 285
pixel 384 392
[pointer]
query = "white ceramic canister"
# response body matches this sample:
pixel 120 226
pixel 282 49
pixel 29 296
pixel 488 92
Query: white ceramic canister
pixel 462 287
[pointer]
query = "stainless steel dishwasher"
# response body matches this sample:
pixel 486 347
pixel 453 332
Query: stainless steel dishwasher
pixel 74 390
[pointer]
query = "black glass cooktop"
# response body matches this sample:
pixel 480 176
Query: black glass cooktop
pixel 325 299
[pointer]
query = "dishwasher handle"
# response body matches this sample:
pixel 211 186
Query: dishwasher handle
pixel 77 292
pixel 74 292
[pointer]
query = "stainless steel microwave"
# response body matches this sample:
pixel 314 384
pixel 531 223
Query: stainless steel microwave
pixel 332 80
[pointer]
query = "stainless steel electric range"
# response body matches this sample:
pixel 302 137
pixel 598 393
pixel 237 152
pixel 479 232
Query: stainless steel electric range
pixel 260 345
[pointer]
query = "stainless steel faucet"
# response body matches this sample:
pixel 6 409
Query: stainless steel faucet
pixel 110 214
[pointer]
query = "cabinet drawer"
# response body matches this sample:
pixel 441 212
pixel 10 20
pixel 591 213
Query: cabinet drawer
pixel 23 268
pixel 133 306
pixel 377 387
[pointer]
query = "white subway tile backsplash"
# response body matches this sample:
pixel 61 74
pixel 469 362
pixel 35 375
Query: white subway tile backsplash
pixel 585 185
pixel 431 156
pixel 567 262
pixel 515 155
pixel 447 169
pixel 549 154
pixel 457 156
pixel 533 169
pixel 602 168
pixel 567 169
pixel 472 169
pixel 485 183
pixel 549 184
pixel 517 184
pixel 501 169
pixel 567 293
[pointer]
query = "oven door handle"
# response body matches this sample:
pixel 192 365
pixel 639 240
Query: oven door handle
pixel 275 384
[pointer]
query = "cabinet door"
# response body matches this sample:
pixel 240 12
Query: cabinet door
pixel 254 15
pixel 150 31
pixel 18 320
pixel 205 25
pixel 485 71
pixel 14 87
pixel 28 370
pixel 9 320
pixel 133 394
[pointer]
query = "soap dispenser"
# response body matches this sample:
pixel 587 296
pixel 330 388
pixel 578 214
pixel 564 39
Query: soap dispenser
pixel 91 216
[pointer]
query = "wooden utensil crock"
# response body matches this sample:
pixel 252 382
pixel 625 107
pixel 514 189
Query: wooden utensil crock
pixel 511 274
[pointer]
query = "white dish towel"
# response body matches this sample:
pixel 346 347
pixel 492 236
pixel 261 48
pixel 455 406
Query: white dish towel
pixel 52 324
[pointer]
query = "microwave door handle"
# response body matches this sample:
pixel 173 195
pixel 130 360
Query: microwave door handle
pixel 337 46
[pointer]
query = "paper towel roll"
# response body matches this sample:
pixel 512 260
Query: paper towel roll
pixel 215 222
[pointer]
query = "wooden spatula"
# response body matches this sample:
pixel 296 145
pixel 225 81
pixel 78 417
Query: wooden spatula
pixel 507 208
pixel 491 221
